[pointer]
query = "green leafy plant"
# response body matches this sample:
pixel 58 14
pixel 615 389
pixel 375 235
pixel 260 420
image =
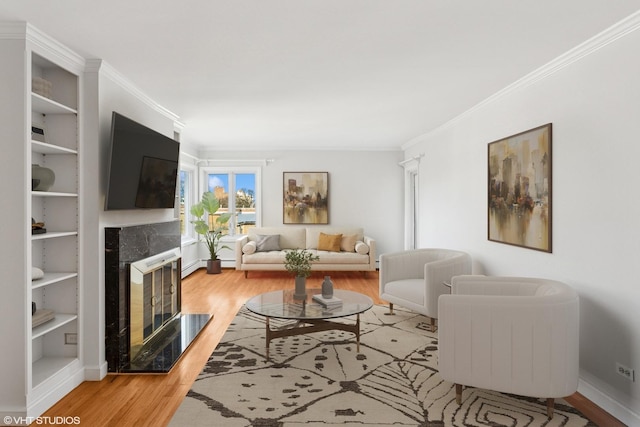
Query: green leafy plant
pixel 211 233
pixel 298 262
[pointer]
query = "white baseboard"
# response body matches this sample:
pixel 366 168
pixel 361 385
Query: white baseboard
pixel 95 373
pixel 607 403
pixel 193 266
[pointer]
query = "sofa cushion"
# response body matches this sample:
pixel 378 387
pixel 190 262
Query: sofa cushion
pixel 290 237
pixel 329 242
pixel 265 243
pixel 249 248
pixel 348 243
pixel 335 258
pixel 362 248
pixel 272 257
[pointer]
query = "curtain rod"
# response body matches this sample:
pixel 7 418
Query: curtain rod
pixel 415 158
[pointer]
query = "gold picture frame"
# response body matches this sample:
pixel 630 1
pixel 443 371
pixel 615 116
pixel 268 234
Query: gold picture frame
pixel 519 189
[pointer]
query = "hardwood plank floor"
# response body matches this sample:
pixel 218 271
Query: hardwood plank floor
pixel 151 400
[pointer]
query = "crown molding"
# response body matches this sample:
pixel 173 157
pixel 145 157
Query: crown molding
pixel 95 65
pixel 41 43
pixel 13 30
pixel 592 45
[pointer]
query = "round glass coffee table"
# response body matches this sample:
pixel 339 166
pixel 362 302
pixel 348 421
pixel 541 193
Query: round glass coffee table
pixel 308 315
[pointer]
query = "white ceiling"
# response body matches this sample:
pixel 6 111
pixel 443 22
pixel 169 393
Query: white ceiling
pixel 325 74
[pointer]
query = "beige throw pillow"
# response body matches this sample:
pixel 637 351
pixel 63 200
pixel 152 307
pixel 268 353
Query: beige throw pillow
pixel 249 248
pixel 329 242
pixel 348 243
pixel 362 248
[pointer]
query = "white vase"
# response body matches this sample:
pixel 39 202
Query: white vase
pixel 42 178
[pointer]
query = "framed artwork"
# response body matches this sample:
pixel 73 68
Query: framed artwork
pixel 519 205
pixel 305 198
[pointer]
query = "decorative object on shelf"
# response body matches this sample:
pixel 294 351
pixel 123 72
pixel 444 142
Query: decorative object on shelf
pixel 37 227
pixel 305 198
pixel 37 134
pixel 519 184
pixel 33 308
pixel 45 177
pixel 41 86
pixel 36 273
pixel 298 263
pixel 327 287
pixel 210 224
pixel 41 316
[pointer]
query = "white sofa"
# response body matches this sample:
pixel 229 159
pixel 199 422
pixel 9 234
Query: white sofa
pixel 359 256
pixel 510 334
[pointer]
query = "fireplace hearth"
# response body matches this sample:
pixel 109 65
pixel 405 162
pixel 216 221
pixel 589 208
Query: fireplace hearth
pixel 145 328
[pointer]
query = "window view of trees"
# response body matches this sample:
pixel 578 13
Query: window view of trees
pixel 241 202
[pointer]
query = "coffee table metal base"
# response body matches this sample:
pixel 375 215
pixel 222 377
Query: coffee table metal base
pixel 308 326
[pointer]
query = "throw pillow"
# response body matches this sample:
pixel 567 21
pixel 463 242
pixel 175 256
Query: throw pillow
pixel 266 243
pixel 348 243
pixel 329 242
pixel 249 248
pixel 362 248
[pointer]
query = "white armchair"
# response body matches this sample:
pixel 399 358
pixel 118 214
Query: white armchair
pixel 414 279
pixel 510 334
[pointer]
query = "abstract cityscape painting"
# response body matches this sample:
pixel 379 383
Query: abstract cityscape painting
pixel 520 189
pixel 305 198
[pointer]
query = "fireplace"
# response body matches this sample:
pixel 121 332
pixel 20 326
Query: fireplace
pixel 145 328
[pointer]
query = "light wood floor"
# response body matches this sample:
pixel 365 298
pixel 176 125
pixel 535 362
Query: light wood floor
pixel 151 400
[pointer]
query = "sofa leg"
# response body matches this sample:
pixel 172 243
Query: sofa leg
pixel 550 406
pixel 458 394
pixel 390 312
pixel 246 274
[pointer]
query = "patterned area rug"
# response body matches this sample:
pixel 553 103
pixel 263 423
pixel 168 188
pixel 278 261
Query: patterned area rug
pixel 320 380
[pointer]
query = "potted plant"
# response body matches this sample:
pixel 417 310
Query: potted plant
pixel 211 231
pixel 298 263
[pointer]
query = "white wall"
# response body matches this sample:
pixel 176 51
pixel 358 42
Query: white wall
pixel 365 188
pixel 106 92
pixel 594 105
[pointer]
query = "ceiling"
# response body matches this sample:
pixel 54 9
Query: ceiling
pixel 319 74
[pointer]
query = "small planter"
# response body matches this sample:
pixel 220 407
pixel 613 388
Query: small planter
pixel 300 291
pixel 214 266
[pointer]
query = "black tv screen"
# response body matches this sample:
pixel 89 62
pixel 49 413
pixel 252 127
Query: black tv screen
pixel 143 167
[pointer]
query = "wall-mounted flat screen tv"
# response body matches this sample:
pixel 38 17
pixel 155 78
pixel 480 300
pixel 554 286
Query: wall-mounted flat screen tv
pixel 143 167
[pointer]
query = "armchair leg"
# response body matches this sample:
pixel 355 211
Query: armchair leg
pixel 458 394
pixel 432 325
pixel 550 406
pixel 390 312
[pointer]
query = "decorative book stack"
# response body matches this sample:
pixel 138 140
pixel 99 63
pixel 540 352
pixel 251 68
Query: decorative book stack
pixel 327 302
pixel 41 316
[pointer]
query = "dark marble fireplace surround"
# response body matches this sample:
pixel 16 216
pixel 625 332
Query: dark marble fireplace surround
pixel 156 345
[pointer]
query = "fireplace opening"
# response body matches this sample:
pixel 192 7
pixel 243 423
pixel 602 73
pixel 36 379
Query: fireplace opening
pixel 154 296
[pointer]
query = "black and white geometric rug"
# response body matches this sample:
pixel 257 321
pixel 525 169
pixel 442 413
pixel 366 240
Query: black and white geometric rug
pixel 320 380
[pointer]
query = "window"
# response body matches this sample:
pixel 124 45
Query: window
pixel 187 199
pixel 237 190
